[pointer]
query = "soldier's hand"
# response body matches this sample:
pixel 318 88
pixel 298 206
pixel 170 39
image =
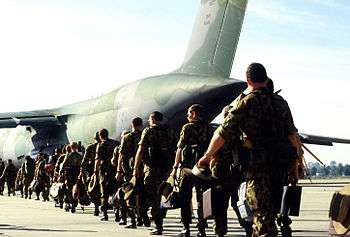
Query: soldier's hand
pixel 173 173
pixel 136 173
pixel 204 161
pixel 119 176
pixel 293 174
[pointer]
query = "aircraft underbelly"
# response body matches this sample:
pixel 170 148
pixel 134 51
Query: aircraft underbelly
pixel 83 128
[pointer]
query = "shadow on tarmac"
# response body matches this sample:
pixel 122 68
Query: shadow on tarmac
pixel 15 227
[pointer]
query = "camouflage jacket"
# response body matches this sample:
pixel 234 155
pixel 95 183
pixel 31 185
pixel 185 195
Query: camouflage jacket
pixel 10 172
pixel 157 141
pixel 58 164
pixel 72 161
pixel 128 149
pixel 28 168
pixel 88 161
pixel 104 153
pixel 264 118
pixel 194 140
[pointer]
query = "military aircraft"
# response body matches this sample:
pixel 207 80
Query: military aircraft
pixel 202 78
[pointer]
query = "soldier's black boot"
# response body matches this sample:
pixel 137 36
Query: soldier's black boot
pixel 139 221
pixel 123 221
pixel 73 208
pixel 159 227
pixel 132 225
pixel 185 232
pixel 201 233
pixel 156 231
pixel 117 216
pixel 284 222
pixel 146 220
pixel 67 207
pixel 97 211
pixel 105 216
pixel 286 231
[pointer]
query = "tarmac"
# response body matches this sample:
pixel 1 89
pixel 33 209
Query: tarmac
pixel 24 217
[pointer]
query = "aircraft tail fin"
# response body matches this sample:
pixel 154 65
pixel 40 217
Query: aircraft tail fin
pixel 215 37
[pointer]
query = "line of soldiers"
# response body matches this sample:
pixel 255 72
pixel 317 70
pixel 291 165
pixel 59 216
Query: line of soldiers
pixel 256 143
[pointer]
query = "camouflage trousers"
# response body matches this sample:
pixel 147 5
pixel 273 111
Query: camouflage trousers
pixel 26 183
pixel 264 192
pixel 108 186
pixel 152 180
pixel 11 183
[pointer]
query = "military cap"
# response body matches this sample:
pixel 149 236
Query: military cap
pixel 129 188
pixel 93 184
pixel 166 188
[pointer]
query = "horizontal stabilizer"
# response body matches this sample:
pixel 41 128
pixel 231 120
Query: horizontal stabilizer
pixel 321 140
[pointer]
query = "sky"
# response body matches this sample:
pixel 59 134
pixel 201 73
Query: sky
pixel 54 53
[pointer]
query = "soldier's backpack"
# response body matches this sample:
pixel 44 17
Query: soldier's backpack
pixel 192 153
pixel 29 167
pixel 160 155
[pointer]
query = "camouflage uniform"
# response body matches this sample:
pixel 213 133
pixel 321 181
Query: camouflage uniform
pixel 104 153
pixel 71 168
pixel 19 182
pixel 87 169
pixel 58 177
pixel 128 149
pixel 28 169
pixel 42 177
pixel 52 163
pixel 266 121
pixel 157 143
pixel 10 174
pixel 2 181
pixel 194 139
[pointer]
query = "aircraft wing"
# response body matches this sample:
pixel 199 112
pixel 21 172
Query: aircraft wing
pixel 31 118
pixel 312 139
pixel 321 140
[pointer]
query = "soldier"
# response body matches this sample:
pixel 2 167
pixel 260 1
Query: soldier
pixel 266 122
pixel 194 139
pixel 50 166
pixel 66 149
pixel 87 169
pixel 59 177
pixel 227 168
pixel 104 154
pixel 155 151
pixel 2 181
pixel 9 174
pixel 42 177
pixel 19 182
pixel 127 153
pixel 70 169
pixel 28 169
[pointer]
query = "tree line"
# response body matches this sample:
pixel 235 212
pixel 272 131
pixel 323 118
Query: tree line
pixel 331 170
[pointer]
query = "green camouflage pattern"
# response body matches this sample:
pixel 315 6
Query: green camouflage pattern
pixel 128 149
pixel 160 139
pixel 88 162
pixel 261 116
